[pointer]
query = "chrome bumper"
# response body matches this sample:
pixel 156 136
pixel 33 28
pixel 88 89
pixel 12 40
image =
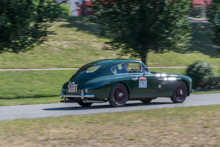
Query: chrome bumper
pixel 82 95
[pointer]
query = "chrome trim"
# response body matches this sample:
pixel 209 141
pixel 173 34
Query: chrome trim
pixel 120 94
pixel 168 79
pixel 93 101
pixel 135 79
pixel 105 83
pixel 61 94
pixel 86 90
pixel 84 96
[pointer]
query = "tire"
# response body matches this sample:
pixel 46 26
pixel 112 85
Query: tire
pixel 179 92
pixel 147 101
pixel 81 103
pixel 118 95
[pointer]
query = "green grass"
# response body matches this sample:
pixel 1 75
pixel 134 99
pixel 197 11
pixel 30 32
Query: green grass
pixel 74 42
pixel 38 87
pixel 205 91
pixel 187 126
pixel 181 71
pixel 32 87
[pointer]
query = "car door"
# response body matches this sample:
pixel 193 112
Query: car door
pixel 143 85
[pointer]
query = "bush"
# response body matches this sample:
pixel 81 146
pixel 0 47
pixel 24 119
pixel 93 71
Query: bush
pixel 65 9
pixel 211 83
pixel 199 71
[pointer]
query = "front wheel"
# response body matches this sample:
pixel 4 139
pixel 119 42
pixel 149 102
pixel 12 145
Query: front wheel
pixel 179 92
pixel 81 103
pixel 118 95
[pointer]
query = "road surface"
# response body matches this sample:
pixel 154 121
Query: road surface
pixel 63 109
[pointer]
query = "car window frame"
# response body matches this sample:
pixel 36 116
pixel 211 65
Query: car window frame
pixel 127 68
pixel 143 66
pixel 100 66
pixel 119 73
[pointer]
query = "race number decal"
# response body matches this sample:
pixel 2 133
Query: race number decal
pixel 142 82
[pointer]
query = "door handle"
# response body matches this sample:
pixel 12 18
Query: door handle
pixel 135 79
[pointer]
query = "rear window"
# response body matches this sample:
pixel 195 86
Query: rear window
pixel 88 69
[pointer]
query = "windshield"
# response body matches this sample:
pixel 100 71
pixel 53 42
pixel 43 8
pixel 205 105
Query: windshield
pixel 88 69
pixel 145 68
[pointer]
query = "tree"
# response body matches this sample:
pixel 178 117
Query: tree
pixel 24 23
pixel 213 13
pixel 140 26
pixel 83 8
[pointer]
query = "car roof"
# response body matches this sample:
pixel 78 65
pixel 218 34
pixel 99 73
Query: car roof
pixel 111 62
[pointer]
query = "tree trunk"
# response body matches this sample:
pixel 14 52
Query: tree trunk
pixel 144 58
pixel 83 8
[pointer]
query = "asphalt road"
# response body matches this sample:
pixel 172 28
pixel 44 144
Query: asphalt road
pixel 63 109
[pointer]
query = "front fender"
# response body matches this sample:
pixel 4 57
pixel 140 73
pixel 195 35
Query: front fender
pixel 188 81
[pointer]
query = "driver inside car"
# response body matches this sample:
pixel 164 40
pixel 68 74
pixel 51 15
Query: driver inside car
pixel 124 68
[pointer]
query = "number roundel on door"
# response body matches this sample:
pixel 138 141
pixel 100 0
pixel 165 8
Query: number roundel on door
pixel 142 82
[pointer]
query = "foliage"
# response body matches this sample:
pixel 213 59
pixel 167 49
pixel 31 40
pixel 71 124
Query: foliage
pixel 141 26
pixel 213 13
pixel 24 23
pixel 65 9
pixel 199 71
pixel 73 42
pixel 211 83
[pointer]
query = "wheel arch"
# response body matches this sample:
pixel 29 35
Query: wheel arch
pixel 188 92
pixel 124 85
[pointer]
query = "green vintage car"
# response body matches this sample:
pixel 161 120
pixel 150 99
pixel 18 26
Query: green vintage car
pixel 118 80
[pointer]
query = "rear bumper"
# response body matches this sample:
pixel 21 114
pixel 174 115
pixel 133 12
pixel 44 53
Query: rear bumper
pixel 82 95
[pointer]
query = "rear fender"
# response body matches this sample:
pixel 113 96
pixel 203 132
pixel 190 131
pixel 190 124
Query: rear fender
pixel 128 89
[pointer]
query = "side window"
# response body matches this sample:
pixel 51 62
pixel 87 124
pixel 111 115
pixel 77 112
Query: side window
pixel 134 68
pixel 114 70
pixel 120 68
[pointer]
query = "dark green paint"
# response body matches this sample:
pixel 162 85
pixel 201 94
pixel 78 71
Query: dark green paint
pixel 100 82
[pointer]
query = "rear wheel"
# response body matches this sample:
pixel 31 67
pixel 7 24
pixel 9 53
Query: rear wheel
pixel 118 95
pixel 146 101
pixel 81 103
pixel 179 92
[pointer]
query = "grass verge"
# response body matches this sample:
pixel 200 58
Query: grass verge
pixel 74 41
pixel 40 87
pixel 187 126
pixel 181 71
pixel 32 87
pixel 206 91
